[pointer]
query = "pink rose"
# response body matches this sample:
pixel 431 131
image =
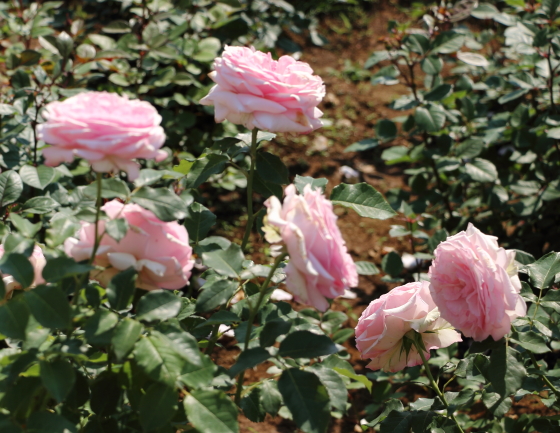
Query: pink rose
pixel 106 129
pixel 385 322
pixel 255 91
pixel 158 250
pixel 320 266
pixel 38 262
pixel 474 282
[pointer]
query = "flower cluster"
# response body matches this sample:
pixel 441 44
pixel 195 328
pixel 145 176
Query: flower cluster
pixel 473 287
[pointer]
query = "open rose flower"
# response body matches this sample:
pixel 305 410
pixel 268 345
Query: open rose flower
pixel 106 129
pixel 256 91
pixel 158 250
pixel 404 310
pixel 37 260
pixel 320 267
pixel 474 282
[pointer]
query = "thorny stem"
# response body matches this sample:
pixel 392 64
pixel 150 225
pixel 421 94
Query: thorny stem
pixel 435 386
pixel 250 216
pixel 412 82
pixel 544 378
pixel 97 217
pixel 550 78
pixel 253 313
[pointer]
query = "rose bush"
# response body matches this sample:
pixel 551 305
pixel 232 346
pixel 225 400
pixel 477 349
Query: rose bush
pixel 474 282
pixel 106 129
pixel 256 91
pixel 384 325
pixel 320 266
pixel 158 250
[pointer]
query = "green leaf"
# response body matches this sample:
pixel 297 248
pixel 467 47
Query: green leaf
pixel 157 406
pixel 364 199
pixel 397 422
pixel 532 341
pixel 48 422
pixel 157 357
pixel 272 330
pixel 270 398
pixel 158 305
pixel 110 188
pixel 124 338
pixel 485 11
pixel 334 384
pixel 14 316
pixel 226 262
pixel 58 377
pixel 24 226
pixel 248 359
pixel 432 65
pixel 215 293
pixel 386 130
pixel 438 93
pixel 121 288
pixel 543 271
pixel 512 96
pixel 37 177
pixel 117 228
pixel 481 170
pixel 198 221
pixel 49 305
pixel 205 167
pixel 362 145
pixel 211 412
pixel 19 267
pixel 392 264
pixel 352 375
pixel 40 205
pixel 65 44
pixel 430 119
pixel 106 394
pixel 20 80
pixel 470 148
pixel 252 406
pixel 117 26
pixel 163 203
pixel 11 187
pixel 448 42
pixel 366 268
pixel 61 267
pixel 99 328
pixel 301 181
pixel 306 398
pixel 305 344
pixel 271 168
pixel 505 372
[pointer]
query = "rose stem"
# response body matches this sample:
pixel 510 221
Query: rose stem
pixel 250 215
pixel 435 386
pixel 252 314
pixel 97 216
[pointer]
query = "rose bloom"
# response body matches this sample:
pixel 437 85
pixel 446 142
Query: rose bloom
pixel 105 129
pixel 158 250
pixel 382 327
pixel 474 282
pixel 255 91
pixel 319 267
pixel 37 260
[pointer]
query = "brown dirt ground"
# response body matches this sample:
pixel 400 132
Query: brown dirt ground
pixel 353 107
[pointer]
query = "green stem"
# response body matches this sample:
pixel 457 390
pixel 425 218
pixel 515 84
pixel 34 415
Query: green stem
pixel 252 315
pixel 97 217
pixel 250 216
pixel 544 378
pixel 435 386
